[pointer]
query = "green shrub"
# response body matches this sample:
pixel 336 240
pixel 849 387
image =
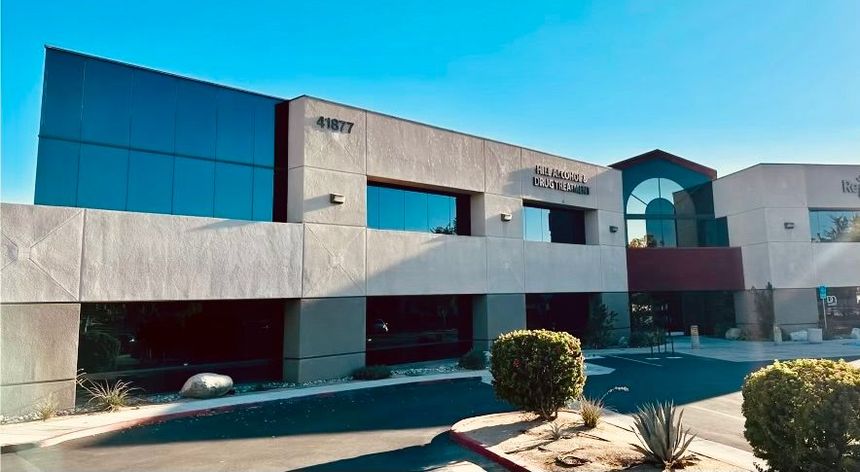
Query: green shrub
pixel 804 415
pixel 537 371
pixel 474 360
pixel 372 372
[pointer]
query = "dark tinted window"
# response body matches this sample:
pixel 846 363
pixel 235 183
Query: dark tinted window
pixel 235 127
pixel 829 226
pixel 61 95
pixel 409 329
pixel 195 119
pixel 556 225
pixel 57 173
pixel 106 104
pixel 264 133
pixel 103 176
pixel 150 182
pixel 412 210
pixel 263 191
pixel 193 187
pixel 159 345
pixel 153 111
pixel 233 191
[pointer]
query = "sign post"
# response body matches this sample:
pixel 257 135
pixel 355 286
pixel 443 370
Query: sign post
pixel 694 337
pixel 822 295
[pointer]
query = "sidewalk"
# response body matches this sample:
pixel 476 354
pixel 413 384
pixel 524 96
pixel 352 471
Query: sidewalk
pixel 15 437
pixel 748 351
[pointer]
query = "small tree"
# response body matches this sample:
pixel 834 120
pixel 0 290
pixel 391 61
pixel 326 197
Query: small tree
pixel 598 331
pixel 538 371
pixel 763 302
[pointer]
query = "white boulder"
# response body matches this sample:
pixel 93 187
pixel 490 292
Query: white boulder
pixel 798 335
pixel 814 335
pixel 855 333
pixel 206 385
pixel 733 333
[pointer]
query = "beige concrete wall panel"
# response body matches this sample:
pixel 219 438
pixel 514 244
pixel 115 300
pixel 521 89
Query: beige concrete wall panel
pixel 531 159
pixel 39 342
pixel 505 265
pixel 553 267
pixel 316 202
pixel 328 149
pixel 41 250
pixel 503 165
pixel 409 263
pixel 140 256
pixel 334 261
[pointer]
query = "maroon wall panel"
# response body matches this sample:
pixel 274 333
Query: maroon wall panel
pixel 693 268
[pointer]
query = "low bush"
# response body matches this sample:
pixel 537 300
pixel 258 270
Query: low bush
pixel 46 408
pixel 474 360
pixel 804 415
pixel 372 372
pixel 537 371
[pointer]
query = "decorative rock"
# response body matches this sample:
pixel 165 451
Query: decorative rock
pixel 777 335
pixel 206 385
pixel 855 333
pixel 733 333
pixel 799 336
pixel 814 335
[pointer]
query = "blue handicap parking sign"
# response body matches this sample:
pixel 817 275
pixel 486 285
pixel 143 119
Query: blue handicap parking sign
pixel 822 292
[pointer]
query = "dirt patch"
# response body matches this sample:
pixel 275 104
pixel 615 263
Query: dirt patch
pixel 533 444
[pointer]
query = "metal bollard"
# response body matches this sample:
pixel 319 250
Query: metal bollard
pixel 694 337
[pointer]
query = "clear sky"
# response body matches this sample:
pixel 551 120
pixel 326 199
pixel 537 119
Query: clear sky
pixel 725 83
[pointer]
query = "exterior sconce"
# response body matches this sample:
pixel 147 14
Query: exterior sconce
pixel 788 225
pixel 506 217
pixel 336 198
pixel 613 229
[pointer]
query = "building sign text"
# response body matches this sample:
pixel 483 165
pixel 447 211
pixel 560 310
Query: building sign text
pixel 562 180
pixel 851 187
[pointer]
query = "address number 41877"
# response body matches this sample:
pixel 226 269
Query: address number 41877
pixel 334 124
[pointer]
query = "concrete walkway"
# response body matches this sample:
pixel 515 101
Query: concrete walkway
pixel 14 437
pixel 749 351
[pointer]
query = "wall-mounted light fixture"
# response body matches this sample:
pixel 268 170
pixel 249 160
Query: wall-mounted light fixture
pixel 788 225
pixel 336 198
pixel 613 229
pixel 506 217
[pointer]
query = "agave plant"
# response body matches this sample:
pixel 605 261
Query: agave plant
pixel 662 437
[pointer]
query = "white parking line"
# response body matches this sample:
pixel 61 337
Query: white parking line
pixel 695 407
pixel 635 360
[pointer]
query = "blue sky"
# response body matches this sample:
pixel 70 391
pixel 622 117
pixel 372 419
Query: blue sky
pixel 724 83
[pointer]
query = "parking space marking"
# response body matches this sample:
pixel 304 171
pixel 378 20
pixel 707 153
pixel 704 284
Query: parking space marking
pixel 727 415
pixel 635 360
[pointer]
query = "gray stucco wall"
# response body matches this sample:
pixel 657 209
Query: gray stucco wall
pixel 493 315
pixel 39 347
pixel 323 338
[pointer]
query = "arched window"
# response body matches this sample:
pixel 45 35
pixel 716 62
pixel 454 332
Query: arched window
pixel 650 212
pixel 641 199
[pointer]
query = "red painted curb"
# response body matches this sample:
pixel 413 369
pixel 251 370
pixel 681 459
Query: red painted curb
pixel 479 447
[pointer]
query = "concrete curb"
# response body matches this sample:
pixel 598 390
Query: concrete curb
pixel 482 449
pixel 227 404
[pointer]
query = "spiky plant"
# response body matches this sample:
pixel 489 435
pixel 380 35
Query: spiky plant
pixel 47 408
pixel 662 437
pixel 592 409
pixel 109 397
pixel 557 430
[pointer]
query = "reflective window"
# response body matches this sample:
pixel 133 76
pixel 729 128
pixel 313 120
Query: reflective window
pixel 264 180
pixel 235 127
pixel 558 312
pixel 195 119
pixel 193 187
pixel 102 177
pixel 106 103
pixel 158 345
pixel 61 95
pixel 391 208
pixel 556 225
pixel 418 328
pixel 828 226
pixel 373 207
pixel 411 210
pixel 57 173
pixel 415 205
pixel 649 190
pixel 233 191
pixel 153 111
pixel 150 182
pixel 264 132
